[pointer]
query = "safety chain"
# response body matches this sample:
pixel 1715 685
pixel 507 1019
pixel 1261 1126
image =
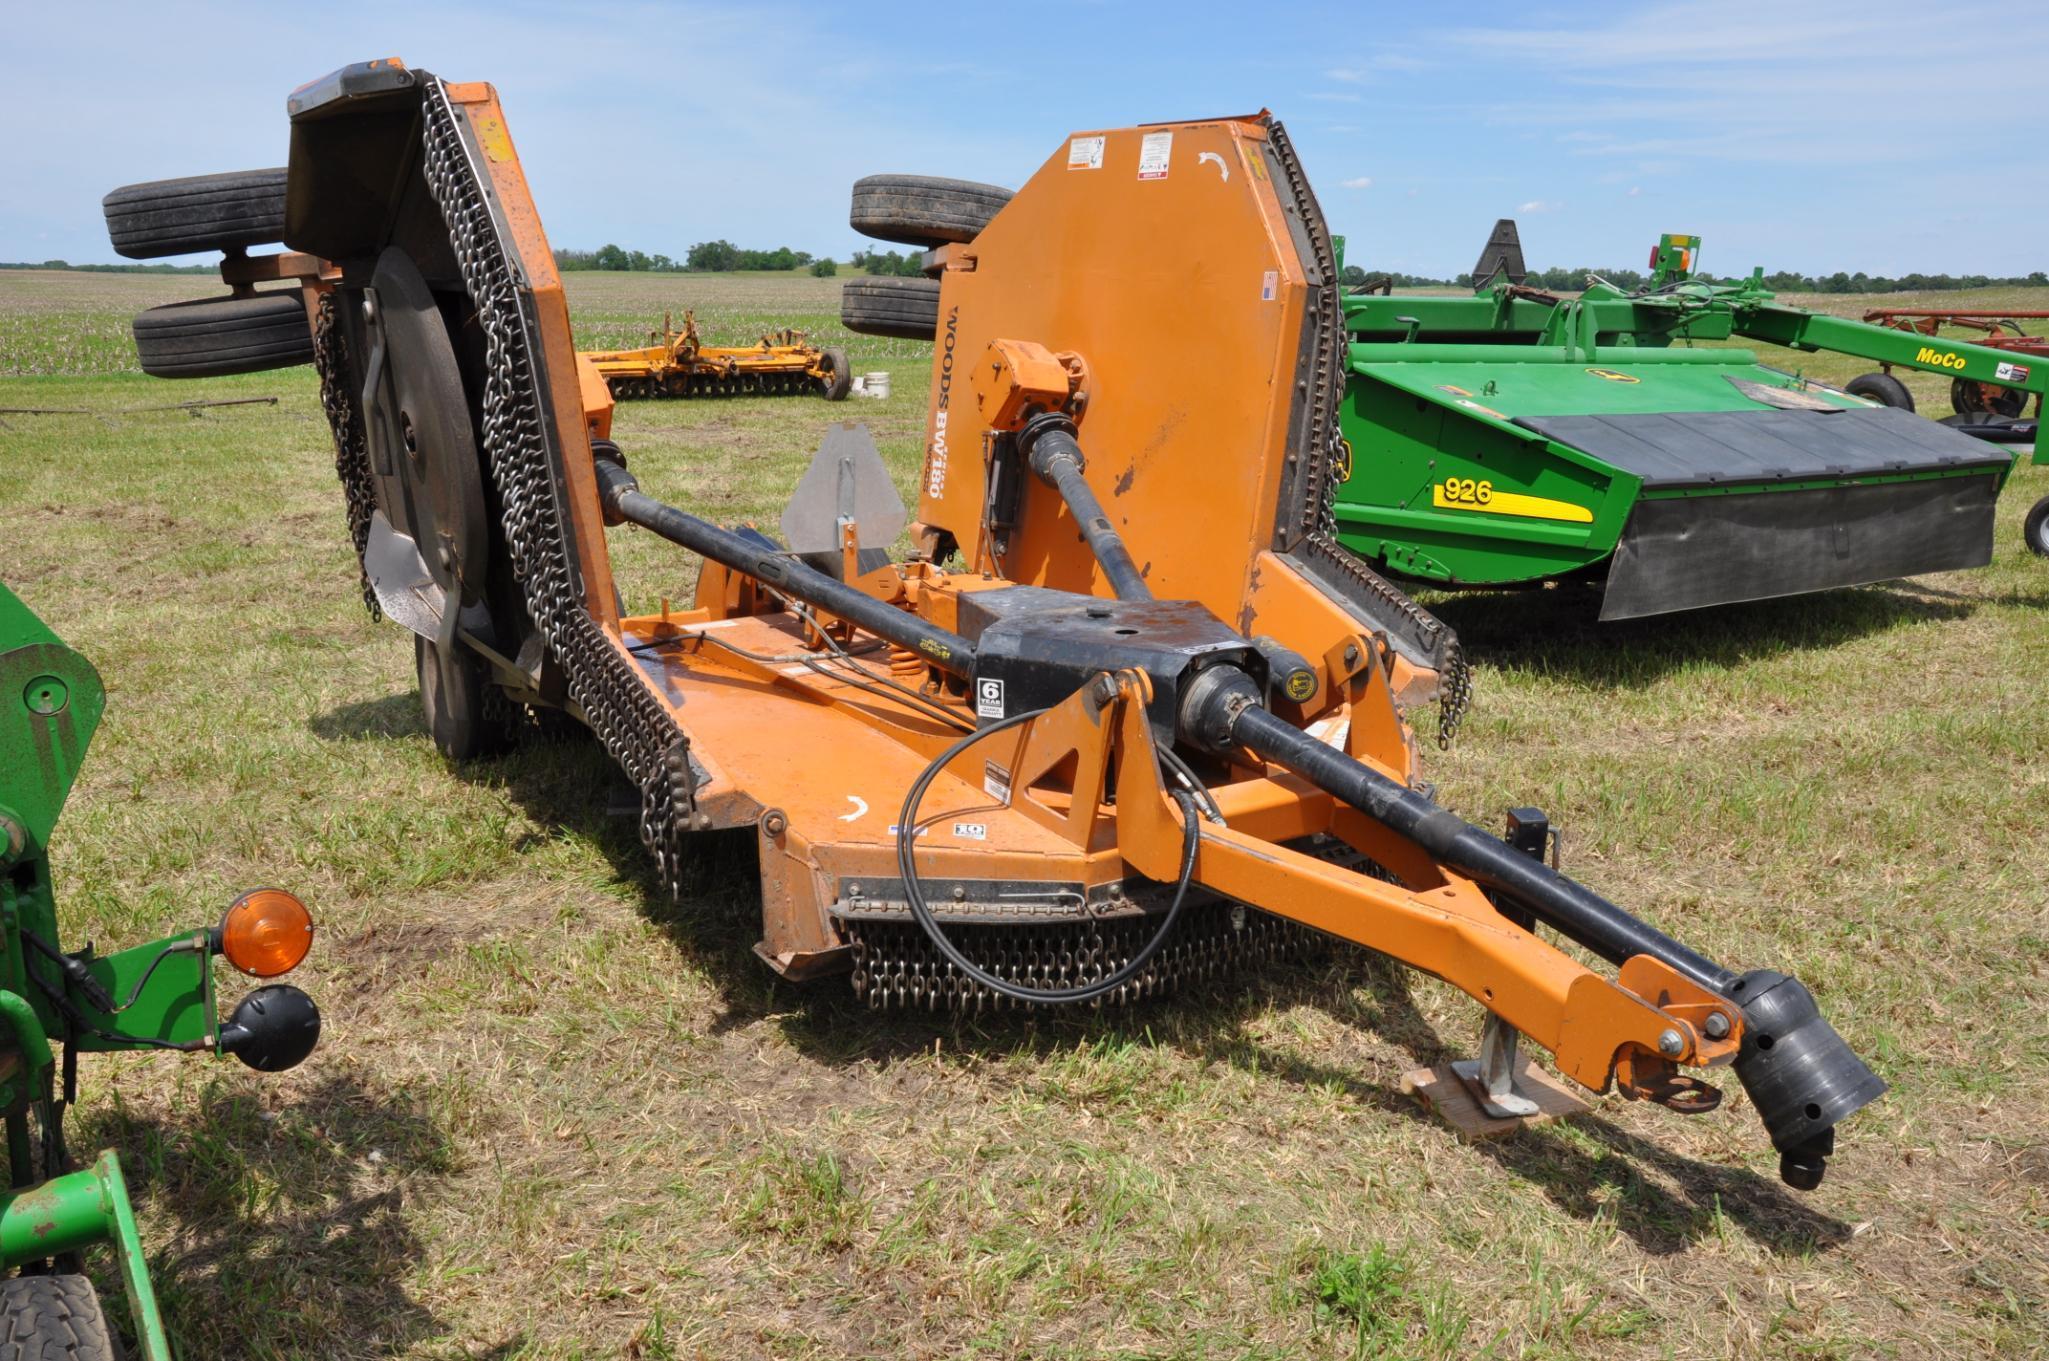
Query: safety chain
pixel 351 449
pixel 1330 463
pixel 634 727
pixel 896 966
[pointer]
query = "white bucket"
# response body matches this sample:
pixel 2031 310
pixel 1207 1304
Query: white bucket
pixel 876 384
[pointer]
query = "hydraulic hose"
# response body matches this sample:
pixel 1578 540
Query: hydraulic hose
pixel 914 894
pixel 624 500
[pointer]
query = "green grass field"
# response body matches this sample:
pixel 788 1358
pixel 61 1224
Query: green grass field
pixel 556 1116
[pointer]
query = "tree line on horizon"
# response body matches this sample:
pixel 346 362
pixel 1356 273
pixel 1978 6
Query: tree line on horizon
pixel 708 257
pixel 1784 281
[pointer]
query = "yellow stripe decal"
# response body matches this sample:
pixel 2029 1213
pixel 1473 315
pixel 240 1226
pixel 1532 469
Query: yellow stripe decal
pixel 1466 494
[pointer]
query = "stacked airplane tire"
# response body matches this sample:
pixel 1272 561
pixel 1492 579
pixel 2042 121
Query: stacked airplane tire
pixel 912 210
pixel 247 332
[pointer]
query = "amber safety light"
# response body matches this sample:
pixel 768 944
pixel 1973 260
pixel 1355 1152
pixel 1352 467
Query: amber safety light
pixel 266 932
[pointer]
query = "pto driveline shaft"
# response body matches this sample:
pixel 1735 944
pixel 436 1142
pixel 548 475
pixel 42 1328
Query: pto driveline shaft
pixel 1048 444
pixel 623 498
pixel 1799 1073
pixel 1574 909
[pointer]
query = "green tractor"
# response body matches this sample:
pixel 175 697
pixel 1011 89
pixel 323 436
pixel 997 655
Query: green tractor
pixel 59 1003
pixel 1517 436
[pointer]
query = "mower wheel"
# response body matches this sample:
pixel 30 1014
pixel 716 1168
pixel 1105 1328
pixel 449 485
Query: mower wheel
pixel 203 212
pixel 213 337
pixel 2035 529
pixel 455 696
pixel 921 210
pixel 54 1318
pixel 1882 388
pixel 907 309
pixel 1968 397
pixel 839 375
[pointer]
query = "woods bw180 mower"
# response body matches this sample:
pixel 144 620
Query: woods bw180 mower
pixel 155 996
pixel 1126 714
pixel 1517 436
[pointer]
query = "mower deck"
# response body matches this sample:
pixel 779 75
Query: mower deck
pixel 1517 436
pixel 1126 715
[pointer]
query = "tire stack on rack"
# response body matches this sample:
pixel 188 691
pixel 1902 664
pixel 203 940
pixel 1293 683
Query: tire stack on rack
pixel 248 331
pixel 912 210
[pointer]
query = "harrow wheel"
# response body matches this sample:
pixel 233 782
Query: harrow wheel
pixel 923 210
pixel 839 375
pixel 214 337
pixel 54 1318
pixel 203 212
pixel 905 309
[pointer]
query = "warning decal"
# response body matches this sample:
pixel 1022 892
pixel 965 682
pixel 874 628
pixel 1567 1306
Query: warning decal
pixel 1085 153
pixel 1155 151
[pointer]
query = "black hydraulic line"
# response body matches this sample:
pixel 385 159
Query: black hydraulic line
pixel 623 498
pixel 1574 909
pixel 1048 445
pixel 921 911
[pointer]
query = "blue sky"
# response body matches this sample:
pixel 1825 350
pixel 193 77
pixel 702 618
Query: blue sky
pixel 1876 135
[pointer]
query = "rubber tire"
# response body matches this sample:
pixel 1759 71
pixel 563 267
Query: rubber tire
pixel 2035 529
pixel 906 309
pixel 842 381
pixel 452 698
pixel 922 210
pixel 1967 398
pixel 1882 388
pixel 198 213
pixel 214 337
pixel 54 1318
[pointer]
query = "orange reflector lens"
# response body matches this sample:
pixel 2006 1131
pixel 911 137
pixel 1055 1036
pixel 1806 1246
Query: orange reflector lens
pixel 266 932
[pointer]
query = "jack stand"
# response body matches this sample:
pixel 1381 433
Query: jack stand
pixel 1492 1075
pixel 1495 1094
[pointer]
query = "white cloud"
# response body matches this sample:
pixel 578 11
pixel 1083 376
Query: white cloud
pixel 1748 81
pixel 1363 182
pixel 1538 205
pixel 1381 61
pixel 1635 191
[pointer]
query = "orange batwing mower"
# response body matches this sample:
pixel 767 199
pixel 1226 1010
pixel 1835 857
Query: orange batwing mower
pixel 1125 714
